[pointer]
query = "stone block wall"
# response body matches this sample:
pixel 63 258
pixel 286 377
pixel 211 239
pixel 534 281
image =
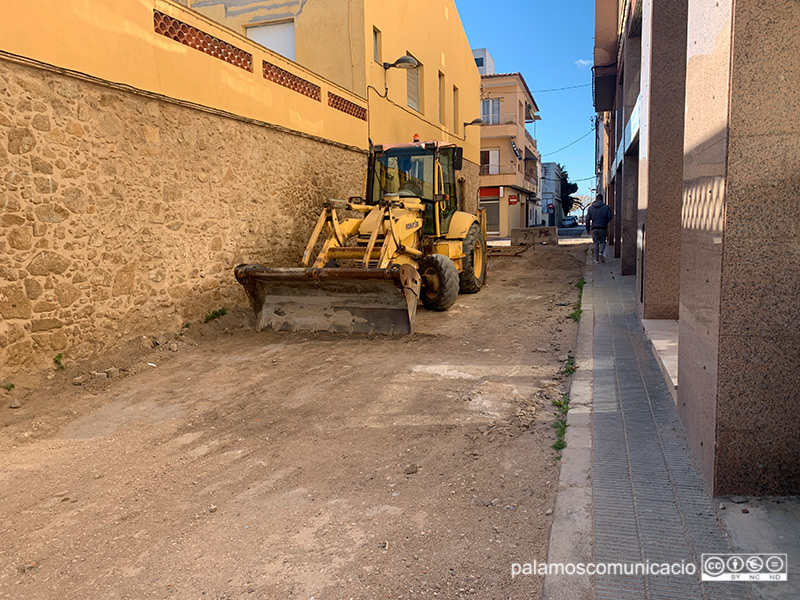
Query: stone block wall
pixel 123 214
pixel 470 181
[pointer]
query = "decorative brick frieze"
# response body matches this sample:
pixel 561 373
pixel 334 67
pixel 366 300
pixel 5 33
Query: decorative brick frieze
pixel 199 40
pixel 290 80
pixel 339 103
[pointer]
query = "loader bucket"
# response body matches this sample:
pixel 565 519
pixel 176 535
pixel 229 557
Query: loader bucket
pixel 332 299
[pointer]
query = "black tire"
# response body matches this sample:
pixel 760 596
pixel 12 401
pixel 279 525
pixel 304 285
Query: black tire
pixel 474 262
pixel 439 282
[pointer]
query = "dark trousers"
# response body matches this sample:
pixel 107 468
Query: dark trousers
pixel 599 239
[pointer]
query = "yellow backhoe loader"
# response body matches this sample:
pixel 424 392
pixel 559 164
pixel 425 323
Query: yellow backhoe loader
pixel 369 260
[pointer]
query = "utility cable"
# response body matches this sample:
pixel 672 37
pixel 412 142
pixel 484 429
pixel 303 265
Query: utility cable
pixel 571 87
pixel 570 144
pixel 570 180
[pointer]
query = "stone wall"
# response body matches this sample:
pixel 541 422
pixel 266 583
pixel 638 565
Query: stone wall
pixel 471 174
pixel 123 214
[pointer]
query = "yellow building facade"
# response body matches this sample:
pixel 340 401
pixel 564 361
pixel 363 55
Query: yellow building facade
pixel 163 48
pixel 200 53
pixel 348 42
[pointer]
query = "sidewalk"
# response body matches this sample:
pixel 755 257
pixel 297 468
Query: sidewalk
pixel 648 502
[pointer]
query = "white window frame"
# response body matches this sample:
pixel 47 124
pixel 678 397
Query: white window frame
pixel 494 161
pixel 490 111
pixel 283 47
pixel 377 52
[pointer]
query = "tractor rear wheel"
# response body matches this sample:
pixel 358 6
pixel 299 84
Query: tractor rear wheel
pixel 439 282
pixel 474 262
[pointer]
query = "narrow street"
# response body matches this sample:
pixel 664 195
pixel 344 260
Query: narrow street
pixel 266 465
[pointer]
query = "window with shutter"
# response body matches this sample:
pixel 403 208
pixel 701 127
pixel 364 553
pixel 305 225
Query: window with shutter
pixel 414 86
pixel 376 45
pixel 490 162
pixel 278 37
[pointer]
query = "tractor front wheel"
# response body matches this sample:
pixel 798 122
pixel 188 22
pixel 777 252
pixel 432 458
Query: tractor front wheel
pixel 474 271
pixel 439 282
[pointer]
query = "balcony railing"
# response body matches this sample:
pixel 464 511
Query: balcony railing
pixel 500 119
pixel 530 139
pixel 498 169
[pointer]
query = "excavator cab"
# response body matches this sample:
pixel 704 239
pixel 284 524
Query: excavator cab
pixel 426 171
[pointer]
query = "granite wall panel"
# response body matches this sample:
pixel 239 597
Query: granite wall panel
pixel 661 156
pixel 739 306
pixel 758 421
pixel 703 210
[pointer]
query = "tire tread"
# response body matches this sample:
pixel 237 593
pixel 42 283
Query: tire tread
pixel 448 274
pixel 468 283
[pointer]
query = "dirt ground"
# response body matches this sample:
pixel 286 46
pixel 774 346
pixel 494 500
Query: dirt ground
pixel 265 465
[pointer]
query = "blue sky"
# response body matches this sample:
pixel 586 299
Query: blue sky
pixel 551 44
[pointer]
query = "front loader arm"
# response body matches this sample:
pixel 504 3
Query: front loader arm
pixel 338 234
pixel 312 241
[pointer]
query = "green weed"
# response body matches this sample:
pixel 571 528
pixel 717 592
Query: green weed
pixel 575 315
pixel 215 314
pixel 562 404
pixel 7 386
pixel 57 361
pixel 560 424
pixel 569 367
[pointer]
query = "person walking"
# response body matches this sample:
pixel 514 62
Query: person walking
pixel 598 217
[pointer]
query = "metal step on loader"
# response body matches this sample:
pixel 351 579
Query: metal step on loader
pixel 370 260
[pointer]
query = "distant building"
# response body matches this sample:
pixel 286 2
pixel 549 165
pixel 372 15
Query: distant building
pixel 483 60
pixel 510 162
pixel 551 213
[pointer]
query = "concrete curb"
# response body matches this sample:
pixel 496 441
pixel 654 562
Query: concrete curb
pixel 571 534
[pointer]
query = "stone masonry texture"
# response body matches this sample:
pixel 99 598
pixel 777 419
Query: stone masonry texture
pixel 123 215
